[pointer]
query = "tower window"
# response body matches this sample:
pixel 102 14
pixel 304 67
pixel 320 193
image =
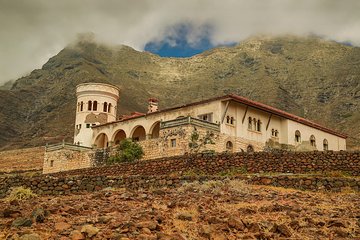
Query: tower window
pixel 227 119
pixel 232 120
pixel 95 106
pixel 109 107
pixel 297 136
pixel 255 124
pixel 81 106
pixel 89 105
pixel 105 107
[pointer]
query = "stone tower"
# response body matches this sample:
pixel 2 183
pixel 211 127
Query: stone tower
pixel 96 104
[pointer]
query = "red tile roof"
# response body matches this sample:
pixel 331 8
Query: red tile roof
pixel 244 101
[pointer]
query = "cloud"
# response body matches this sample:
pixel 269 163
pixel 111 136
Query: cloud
pixel 33 31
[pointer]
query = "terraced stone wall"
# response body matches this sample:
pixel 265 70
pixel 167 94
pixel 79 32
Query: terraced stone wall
pixel 259 162
pixel 48 185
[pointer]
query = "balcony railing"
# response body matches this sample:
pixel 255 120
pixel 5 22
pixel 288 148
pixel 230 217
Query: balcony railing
pixel 190 120
pixel 58 146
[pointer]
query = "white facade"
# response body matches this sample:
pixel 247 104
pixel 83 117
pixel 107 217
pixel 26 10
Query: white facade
pixel 96 104
pixel 244 123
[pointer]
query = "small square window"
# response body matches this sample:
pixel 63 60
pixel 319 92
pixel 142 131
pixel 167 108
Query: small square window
pixel 88 125
pixel 173 143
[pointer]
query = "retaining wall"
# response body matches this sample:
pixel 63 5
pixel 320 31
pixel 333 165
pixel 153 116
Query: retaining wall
pixel 48 185
pixel 258 162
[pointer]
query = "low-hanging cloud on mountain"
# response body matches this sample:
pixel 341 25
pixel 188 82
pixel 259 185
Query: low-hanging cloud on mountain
pixel 33 31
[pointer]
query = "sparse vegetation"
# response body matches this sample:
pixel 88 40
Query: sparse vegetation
pixel 215 187
pixel 20 194
pixel 193 172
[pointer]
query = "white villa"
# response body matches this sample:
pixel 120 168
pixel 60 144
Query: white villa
pixel 234 122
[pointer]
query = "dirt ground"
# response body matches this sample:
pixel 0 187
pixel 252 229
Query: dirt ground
pixel 216 210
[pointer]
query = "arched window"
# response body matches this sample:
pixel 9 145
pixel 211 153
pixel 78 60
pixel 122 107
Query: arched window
pixel 312 141
pixel 250 123
pixel 105 107
pixel 89 105
pixel 255 124
pixel 250 149
pixel 95 106
pixel 297 136
pixel 229 146
pixel 272 132
pixel 325 145
pixel 109 107
pixel 81 106
pixel 227 119
pixel 259 125
pixel 232 120
pixel 276 133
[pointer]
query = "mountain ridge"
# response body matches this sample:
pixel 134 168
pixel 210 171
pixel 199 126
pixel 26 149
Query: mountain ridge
pixel 309 77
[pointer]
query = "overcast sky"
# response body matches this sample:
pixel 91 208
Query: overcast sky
pixel 33 30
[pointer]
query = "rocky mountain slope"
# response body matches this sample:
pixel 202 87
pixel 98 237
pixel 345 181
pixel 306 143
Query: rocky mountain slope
pixel 311 77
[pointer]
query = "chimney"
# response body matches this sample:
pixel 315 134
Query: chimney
pixel 153 105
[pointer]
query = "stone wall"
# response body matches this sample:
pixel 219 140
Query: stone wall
pixel 65 159
pixel 22 159
pixel 162 147
pixel 48 185
pixel 258 162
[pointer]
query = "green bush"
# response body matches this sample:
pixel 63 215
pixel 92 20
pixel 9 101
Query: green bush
pixel 127 151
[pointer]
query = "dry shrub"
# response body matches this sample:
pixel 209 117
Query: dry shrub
pixel 239 186
pixel 20 193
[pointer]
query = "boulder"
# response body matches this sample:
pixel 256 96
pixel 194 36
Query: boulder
pixel 38 214
pixel 237 224
pixel 89 230
pixel 22 222
pixel 61 226
pixel 76 235
pixel 152 225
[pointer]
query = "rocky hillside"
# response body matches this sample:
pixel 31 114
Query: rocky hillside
pixel 311 77
pixel 210 210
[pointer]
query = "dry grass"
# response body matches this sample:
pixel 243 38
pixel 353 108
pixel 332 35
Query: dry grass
pixel 20 194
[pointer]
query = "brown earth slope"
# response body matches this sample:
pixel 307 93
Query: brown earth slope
pixel 212 210
pixel 311 77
